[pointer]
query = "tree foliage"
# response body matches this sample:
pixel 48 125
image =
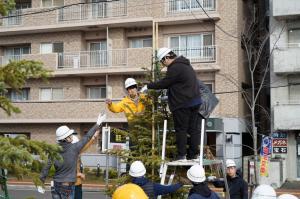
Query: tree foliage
pixel 23 157
pixel 14 76
pixel 6 6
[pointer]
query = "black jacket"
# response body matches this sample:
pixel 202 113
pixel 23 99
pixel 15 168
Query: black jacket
pixel 181 82
pixel 238 188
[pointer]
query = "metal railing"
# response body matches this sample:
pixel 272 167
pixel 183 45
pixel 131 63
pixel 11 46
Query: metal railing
pixel 14 18
pixel 90 59
pixel 198 54
pixel 177 6
pixel 93 11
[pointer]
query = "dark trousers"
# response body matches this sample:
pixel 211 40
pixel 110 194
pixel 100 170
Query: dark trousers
pixel 78 192
pixel 187 121
pixel 59 191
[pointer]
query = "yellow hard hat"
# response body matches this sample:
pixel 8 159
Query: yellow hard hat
pixel 129 191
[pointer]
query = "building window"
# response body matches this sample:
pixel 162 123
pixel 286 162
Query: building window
pixel 98 54
pixel 96 92
pixel 52 48
pixel 51 94
pixel 294 38
pixel 210 86
pixel 21 95
pixel 197 47
pixel 51 3
pixel 140 42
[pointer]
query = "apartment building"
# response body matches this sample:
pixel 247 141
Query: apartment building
pixel 93 46
pixel 285 83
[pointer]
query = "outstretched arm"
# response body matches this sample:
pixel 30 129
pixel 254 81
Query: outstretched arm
pixel 165 189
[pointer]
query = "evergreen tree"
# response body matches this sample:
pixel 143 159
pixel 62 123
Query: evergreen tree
pixel 21 156
pixel 140 134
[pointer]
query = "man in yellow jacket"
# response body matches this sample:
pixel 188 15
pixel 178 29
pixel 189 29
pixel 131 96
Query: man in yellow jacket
pixel 131 104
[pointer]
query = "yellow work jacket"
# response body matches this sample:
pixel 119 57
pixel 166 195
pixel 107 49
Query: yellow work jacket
pixel 128 106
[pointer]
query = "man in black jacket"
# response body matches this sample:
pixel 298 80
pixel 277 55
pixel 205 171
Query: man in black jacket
pixel 184 100
pixel 238 188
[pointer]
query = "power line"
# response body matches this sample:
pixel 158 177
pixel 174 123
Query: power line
pixel 213 21
pixel 65 6
pixel 244 90
pixel 202 23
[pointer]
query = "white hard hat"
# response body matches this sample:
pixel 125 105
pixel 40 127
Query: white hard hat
pixel 196 174
pixel 162 52
pixel 264 191
pixel 287 196
pixel 137 169
pixel 230 163
pixel 75 139
pixel 130 82
pixel 63 132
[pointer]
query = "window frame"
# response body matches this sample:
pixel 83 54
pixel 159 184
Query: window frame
pixel 140 39
pixel 88 91
pixel 52 47
pixel 52 4
pixel 51 90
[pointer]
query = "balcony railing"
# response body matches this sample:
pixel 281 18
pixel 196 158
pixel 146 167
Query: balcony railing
pixel 87 59
pixel 93 11
pixel 198 54
pixel 14 18
pixel 69 13
pixel 178 6
pixel 286 59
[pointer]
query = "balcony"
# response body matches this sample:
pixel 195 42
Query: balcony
pixel 286 116
pixel 180 10
pixel 183 6
pixel 109 61
pixel 73 111
pixel 286 9
pixel 286 59
pixel 38 19
pixel 92 11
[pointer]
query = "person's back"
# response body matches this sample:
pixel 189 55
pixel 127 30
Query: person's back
pixel 200 190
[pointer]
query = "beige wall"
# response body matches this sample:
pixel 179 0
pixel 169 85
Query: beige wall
pixel 71 40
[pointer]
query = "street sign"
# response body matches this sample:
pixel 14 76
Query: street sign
pixel 279 142
pixel 279 149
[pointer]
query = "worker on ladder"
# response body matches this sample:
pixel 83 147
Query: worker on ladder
pixel 184 101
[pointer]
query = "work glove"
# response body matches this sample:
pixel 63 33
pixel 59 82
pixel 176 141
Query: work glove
pixel 40 189
pixel 211 178
pixel 144 89
pixel 101 118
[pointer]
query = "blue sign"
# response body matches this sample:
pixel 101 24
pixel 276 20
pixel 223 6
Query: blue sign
pixel 266 146
pixel 278 134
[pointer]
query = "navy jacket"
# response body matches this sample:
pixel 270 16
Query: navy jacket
pixel 158 189
pixel 202 191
